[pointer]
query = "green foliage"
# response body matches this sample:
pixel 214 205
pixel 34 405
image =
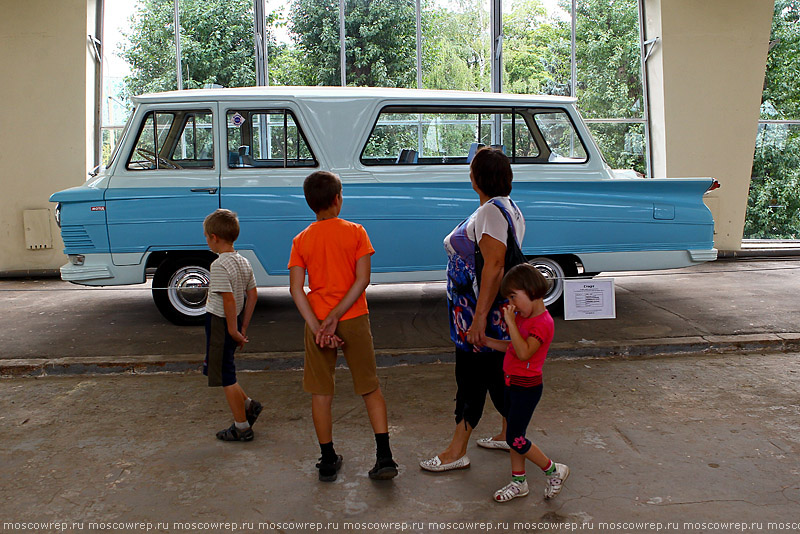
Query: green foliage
pixel 782 81
pixel 216 45
pixel 380 42
pixel 456 47
pixel 536 51
pixel 773 205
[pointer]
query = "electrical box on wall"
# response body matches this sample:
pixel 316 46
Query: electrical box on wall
pixel 38 233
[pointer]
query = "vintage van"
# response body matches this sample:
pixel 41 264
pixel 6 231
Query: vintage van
pixel 403 157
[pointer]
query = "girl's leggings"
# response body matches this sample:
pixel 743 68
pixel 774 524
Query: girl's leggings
pixel 520 402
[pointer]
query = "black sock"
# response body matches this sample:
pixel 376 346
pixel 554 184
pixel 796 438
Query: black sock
pixel 328 454
pixel 384 452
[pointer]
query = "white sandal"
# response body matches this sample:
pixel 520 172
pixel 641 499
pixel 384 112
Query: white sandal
pixel 511 491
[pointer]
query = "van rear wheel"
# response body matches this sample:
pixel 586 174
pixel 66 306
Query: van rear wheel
pixel 180 288
pixel 555 271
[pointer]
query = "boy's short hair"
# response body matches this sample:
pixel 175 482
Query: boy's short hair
pixel 321 189
pixel 222 223
pixel 491 170
pixel 525 277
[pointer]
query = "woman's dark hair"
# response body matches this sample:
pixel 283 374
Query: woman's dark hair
pixel 525 277
pixel 491 171
pixel 321 189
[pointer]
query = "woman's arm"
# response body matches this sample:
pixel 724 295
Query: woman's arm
pixel 494 256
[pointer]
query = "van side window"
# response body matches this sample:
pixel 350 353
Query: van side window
pixel 561 137
pixel 266 138
pixel 182 139
pixel 428 135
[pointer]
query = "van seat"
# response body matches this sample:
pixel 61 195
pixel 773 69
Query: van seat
pixel 407 156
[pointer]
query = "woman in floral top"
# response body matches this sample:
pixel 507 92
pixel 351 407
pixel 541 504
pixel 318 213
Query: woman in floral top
pixel 475 311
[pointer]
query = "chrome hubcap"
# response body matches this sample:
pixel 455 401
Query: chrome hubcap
pixel 188 289
pixel 553 272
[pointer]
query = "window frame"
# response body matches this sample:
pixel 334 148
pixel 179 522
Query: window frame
pixel 286 112
pixel 526 112
pixel 164 150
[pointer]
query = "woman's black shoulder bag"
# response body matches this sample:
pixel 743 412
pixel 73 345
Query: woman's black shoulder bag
pixel 514 255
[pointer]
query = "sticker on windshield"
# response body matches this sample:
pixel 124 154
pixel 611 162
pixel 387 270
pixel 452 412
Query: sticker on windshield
pixel 237 120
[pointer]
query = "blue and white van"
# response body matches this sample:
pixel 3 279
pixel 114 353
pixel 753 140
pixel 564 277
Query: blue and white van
pixel 403 157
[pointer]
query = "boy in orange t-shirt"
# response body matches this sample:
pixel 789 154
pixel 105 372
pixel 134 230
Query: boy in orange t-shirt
pixel 336 254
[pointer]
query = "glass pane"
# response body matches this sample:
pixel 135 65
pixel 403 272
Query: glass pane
pixel 195 147
pixel 269 138
pixel 381 45
pixel 536 48
pixel 455 45
pixel 781 96
pixel 149 145
pixel 773 205
pixel 622 145
pixel 417 137
pixel 609 59
pixel 562 139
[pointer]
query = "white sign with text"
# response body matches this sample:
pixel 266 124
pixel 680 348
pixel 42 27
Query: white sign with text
pixel 589 299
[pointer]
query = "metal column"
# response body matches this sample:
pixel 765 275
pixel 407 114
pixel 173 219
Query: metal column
pixel 178 68
pixel 496 22
pixel 260 38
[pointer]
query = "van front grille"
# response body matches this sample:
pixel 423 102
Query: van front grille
pixel 76 237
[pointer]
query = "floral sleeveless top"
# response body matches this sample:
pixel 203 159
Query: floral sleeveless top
pixel 462 290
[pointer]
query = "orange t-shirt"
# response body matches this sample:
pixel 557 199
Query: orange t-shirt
pixel 328 250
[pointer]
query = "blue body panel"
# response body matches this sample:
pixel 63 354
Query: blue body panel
pixel 163 218
pixel 407 222
pixel 83 229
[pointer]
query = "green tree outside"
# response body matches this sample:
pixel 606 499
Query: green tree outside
pixel 773 206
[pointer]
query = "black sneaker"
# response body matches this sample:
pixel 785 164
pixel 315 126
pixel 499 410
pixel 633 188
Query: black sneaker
pixel 253 411
pixel 234 434
pixel 327 471
pixel 384 469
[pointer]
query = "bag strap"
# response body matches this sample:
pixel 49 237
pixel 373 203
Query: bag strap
pixel 511 230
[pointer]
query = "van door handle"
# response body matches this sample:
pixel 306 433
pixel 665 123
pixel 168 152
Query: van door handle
pixel 209 190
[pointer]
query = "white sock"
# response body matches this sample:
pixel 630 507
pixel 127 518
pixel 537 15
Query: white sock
pixel 241 426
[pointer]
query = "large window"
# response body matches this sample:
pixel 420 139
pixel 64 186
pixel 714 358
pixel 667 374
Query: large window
pixel 432 44
pixel 773 206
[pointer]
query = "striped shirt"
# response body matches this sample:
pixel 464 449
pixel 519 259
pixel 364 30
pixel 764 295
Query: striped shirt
pixel 230 273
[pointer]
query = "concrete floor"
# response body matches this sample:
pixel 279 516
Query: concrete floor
pixel 682 414
pixel 55 327
pixel 666 441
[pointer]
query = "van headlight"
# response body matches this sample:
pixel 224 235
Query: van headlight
pixel 77 259
pixel 57 214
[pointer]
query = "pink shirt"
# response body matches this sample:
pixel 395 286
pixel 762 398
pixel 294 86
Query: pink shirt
pixel 542 328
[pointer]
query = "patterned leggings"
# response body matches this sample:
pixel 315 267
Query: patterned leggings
pixel 520 402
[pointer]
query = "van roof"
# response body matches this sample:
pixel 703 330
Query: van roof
pixel 333 93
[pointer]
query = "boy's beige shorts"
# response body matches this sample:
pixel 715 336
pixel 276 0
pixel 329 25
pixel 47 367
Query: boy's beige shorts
pixel 319 364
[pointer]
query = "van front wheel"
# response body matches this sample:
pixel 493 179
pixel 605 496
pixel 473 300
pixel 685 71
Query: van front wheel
pixel 556 271
pixel 180 288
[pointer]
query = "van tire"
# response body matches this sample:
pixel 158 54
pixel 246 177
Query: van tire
pixel 180 287
pixel 555 270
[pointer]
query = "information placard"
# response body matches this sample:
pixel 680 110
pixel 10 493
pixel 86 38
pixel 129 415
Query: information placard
pixel 589 299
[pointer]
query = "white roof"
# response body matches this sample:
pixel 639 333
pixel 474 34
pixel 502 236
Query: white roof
pixel 333 93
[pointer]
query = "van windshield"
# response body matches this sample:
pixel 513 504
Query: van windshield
pixel 120 140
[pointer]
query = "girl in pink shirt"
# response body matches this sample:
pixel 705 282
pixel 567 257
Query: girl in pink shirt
pixel 531 329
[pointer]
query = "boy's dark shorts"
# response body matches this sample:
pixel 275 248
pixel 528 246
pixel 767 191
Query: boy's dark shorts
pixel 220 347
